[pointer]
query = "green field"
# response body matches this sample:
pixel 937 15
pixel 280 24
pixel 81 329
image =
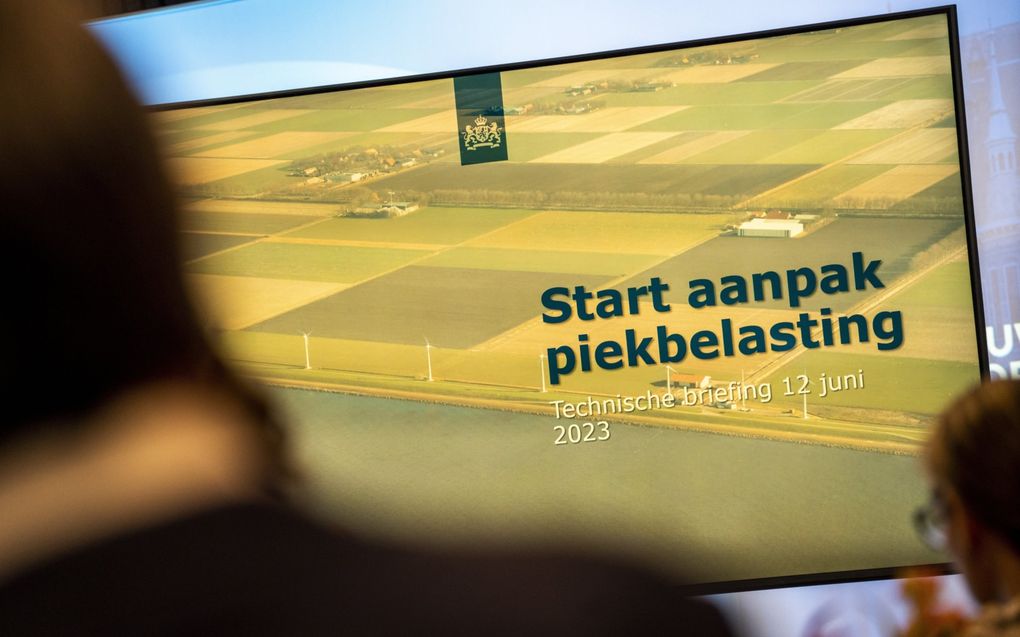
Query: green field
pixel 820 188
pixel 803 71
pixel 227 222
pixel 780 115
pixel 944 196
pixel 603 263
pixel 450 476
pixel 755 147
pixel 251 183
pixel 827 146
pixel 433 225
pixel 877 89
pixel 622 232
pixel 453 307
pixel 716 93
pixel 196 245
pixel 528 146
pixel 729 180
pixel 894 241
pixel 341 264
pixel 346 119
pixel 948 287
pixel 891 382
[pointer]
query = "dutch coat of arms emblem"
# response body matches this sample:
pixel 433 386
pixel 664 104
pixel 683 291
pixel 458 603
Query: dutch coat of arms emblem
pixel 483 134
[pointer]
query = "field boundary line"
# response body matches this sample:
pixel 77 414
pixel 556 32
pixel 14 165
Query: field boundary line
pixel 843 160
pixel 866 305
pixel 758 432
pixel 502 337
pixel 426 255
pixel 261 238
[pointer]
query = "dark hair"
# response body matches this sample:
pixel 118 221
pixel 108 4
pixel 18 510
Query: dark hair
pixel 975 448
pixel 94 301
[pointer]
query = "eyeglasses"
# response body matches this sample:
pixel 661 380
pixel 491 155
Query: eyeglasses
pixel 930 521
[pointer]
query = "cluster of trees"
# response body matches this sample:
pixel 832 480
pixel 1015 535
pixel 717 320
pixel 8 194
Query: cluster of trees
pixel 925 204
pixel 357 159
pixel 940 249
pixel 584 199
pixel 740 54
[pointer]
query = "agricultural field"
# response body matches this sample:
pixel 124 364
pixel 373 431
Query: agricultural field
pixel 334 242
pixel 884 376
pixel 240 223
pixel 199 244
pixel 189 171
pixel 305 262
pixel 453 307
pixel 822 186
pixel 619 170
pixel 603 148
pixel 433 225
pixel 236 302
pixel 270 146
pixel 688 179
pixel 898 183
pixel 894 241
pixel 940 306
pixel 609 232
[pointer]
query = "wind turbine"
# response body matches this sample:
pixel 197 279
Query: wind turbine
pixel 308 358
pixel 541 370
pixel 428 358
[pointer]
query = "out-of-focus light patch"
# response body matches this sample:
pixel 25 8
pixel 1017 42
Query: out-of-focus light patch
pixel 246 79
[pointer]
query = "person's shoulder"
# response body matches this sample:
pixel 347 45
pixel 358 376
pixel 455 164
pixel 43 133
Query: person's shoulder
pixel 270 570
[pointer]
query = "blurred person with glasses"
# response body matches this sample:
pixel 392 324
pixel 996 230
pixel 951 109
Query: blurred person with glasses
pixel 973 464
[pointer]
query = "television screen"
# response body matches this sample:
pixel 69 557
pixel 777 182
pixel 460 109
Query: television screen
pixel 697 303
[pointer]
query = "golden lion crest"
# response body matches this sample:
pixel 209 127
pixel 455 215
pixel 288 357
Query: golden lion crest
pixel 483 134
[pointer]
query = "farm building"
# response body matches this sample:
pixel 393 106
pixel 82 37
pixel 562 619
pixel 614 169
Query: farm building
pixel 779 228
pixel 345 178
pixel 691 380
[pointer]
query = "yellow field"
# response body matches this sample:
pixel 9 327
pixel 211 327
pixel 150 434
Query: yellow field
pixel 247 206
pixel 511 97
pixel 272 146
pixel 902 114
pixel 208 140
pixel 925 333
pixel 188 171
pixel 713 73
pixel 934 30
pixel 534 337
pixel 900 67
pixel 442 122
pixel 235 302
pixel 607 120
pixel 604 148
pixel 898 183
pixel 921 146
pixel 165 117
pixel 626 232
pixel 578 78
pixel 683 151
pixel 254 119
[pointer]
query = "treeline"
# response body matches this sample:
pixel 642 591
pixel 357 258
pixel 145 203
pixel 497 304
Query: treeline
pixel 925 204
pixel 582 199
pixel 941 249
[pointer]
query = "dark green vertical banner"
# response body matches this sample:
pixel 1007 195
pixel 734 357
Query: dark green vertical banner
pixel 481 127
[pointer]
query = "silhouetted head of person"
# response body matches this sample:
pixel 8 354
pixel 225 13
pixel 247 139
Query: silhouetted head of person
pixel 973 459
pixel 94 302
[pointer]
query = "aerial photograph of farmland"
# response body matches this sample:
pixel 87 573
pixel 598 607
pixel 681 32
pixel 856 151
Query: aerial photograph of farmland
pixel 390 298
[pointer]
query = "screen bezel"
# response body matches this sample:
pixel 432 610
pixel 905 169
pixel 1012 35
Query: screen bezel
pixel 950 13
